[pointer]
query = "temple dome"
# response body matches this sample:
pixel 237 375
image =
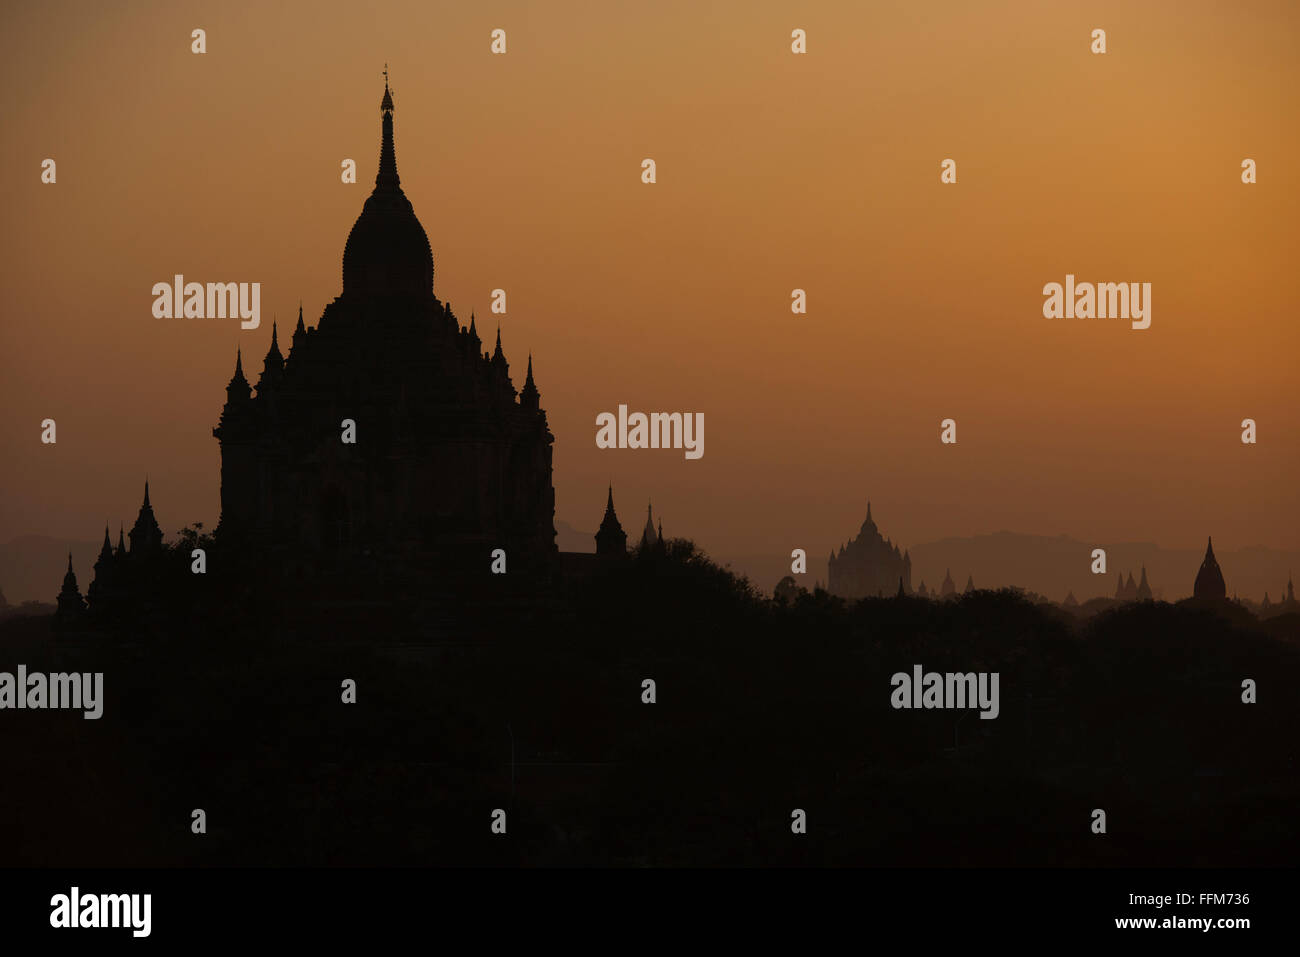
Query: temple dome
pixel 388 251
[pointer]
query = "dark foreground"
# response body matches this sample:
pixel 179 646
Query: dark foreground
pixel 466 705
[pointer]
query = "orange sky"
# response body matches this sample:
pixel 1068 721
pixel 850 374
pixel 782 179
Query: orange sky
pixel 775 171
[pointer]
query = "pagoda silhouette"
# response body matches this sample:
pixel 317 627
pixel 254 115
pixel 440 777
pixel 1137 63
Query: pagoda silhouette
pixel 387 429
pixel 387 441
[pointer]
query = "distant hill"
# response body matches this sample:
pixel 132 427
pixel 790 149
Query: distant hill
pixel 1052 566
pixel 569 539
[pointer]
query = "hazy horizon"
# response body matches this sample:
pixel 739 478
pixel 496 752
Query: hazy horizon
pixel 1026 561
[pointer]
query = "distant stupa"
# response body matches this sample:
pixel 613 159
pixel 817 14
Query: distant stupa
pixel 1209 580
pixel 948 588
pixel 1143 589
pixel 649 537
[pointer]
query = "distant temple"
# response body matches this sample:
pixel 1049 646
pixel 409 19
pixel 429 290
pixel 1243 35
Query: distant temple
pixel 651 539
pixel 387 429
pixel 1287 605
pixel 1131 590
pixel 949 588
pixel 1209 580
pixel 869 566
pixel 648 534
pixel 1143 589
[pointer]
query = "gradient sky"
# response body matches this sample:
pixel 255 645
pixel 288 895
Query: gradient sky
pixel 775 171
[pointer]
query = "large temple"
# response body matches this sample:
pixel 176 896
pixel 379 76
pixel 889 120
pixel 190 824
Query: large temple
pixel 387 428
pixel 869 566
pixel 386 432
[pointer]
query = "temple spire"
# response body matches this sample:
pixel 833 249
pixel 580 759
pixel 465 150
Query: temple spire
pixel 71 605
pixel 1144 587
pixel 238 389
pixel 273 354
pixel 273 364
pixel 387 176
pixel 611 540
pixel 648 534
pixel 146 536
pixel 499 359
pixel 530 398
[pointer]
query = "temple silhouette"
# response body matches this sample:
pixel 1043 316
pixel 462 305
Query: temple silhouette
pixel 386 438
pixel 445 460
pixel 126 581
pixel 1209 584
pixel 1131 590
pixel 869 566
